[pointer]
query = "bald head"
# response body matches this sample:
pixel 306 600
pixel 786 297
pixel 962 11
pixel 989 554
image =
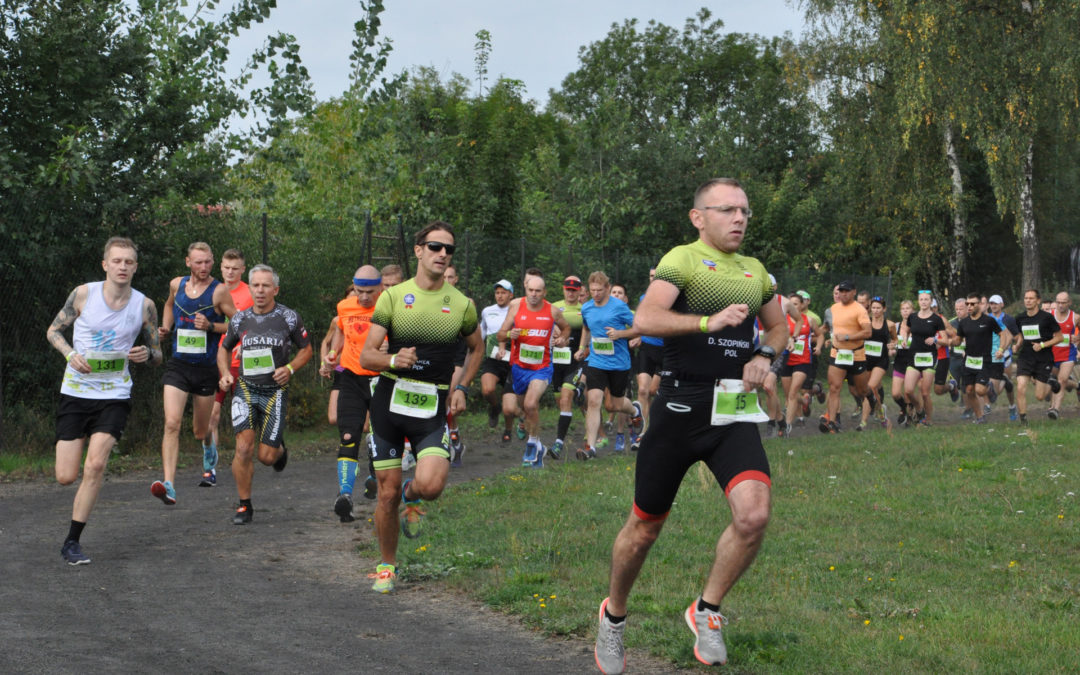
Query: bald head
pixel 367 284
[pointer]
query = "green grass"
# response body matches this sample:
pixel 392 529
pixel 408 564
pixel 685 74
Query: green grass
pixel 931 550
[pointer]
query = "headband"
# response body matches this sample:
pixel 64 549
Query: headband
pixel 366 282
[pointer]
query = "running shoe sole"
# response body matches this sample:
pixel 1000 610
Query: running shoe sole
pixel 343 508
pixel 157 488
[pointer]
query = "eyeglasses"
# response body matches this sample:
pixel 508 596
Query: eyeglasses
pixel 728 209
pixel 436 246
pixel 971 304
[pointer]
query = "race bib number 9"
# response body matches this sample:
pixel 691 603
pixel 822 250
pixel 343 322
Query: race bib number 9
pixel 1030 332
pixel 106 365
pixel 258 361
pixel 414 399
pixel 603 346
pixel 531 354
pixel 873 348
pixel 924 359
pixel 845 357
pixel 731 404
pixel 190 341
pixel 561 355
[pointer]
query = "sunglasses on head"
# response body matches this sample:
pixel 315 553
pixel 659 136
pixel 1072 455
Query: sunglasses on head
pixel 877 298
pixel 436 246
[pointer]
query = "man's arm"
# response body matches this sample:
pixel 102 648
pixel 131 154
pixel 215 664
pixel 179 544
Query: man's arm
pixel 776 335
pixel 507 332
pixel 151 350
pixel 563 326
pixel 656 318
pixel 223 303
pixel 472 366
pixel 65 318
pixel 167 318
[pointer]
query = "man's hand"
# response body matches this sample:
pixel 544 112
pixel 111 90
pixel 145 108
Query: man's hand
pixel 226 381
pixel 732 315
pixel 406 358
pixel 457 402
pixel 140 354
pixel 754 373
pixel 202 323
pixel 282 376
pixel 79 363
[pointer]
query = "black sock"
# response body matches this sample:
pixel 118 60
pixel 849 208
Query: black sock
pixel 614 619
pixel 702 606
pixel 245 502
pixel 564 425
pixel 76 531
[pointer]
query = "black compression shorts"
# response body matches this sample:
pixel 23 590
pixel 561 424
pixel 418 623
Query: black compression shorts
pixel 260 409
pixel 354 401
pixel 390 429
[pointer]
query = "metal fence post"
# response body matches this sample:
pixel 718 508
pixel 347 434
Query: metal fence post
pixel 404 248
pixel 265 246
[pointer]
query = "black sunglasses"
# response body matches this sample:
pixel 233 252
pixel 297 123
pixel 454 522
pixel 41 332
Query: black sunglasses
pixel 436 246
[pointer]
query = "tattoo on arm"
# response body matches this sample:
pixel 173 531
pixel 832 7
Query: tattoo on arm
pixel 150 332
pixel 64 319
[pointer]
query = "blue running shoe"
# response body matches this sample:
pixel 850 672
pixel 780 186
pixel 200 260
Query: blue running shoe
pixel 209 457
pixel 530 453
pixel 209 478
pixel 164 491
pixel 1014 414
pixel 620 442
pixel 73 555
pixel 556 450
pixel 540 452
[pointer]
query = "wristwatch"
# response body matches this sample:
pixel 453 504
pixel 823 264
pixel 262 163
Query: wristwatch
pixel 766 351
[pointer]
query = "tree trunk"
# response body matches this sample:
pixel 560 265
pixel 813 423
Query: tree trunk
pixel 1029 244
pixel 958 261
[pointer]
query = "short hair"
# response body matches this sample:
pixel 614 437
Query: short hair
pixel 862 293
pixel 262 267
pixel 233 254
pixel 450 267
pixel 599 277
pixel 122 242
pixel 1035 291
pixel 973 296
pixel 711 183
pixel 433 226
pixel 199 246
pixel 534 272
pixel 622 286
pixel 391 270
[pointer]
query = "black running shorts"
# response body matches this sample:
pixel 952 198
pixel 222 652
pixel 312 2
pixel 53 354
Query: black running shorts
pixel 615 381
pixel 195 380
pixel 354 401
pixel 82 417
pixel 390 429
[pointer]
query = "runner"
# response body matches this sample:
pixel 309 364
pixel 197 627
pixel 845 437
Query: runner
pixel 649 361
pixel 901 361
pixel 391 276
pixel 999 379
pixel 567 372
pixel 198 306
pixel 495 372
pixel 1065 352
pixel 882 338
pixel 608 325
pixel 797 367
pixel 850 328
pixel 703 304
pixel 457 446
pixel 232 276
pixel 617 422
pixel 957 354
pixel 1037 332
pixel 977 330
pixel 529 324
pixel 923 328
pixel 263 333
pixel 423 318
pixel 942 385
pixel 95 396
pixel 355 384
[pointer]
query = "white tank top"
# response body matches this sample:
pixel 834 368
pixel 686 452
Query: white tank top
pixel 104 337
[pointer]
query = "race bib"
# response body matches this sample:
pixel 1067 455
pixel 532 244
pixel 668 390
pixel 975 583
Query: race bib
pixel 531 354
pixel 959 349
pixel 798 348
pixel 495 354
pixel 845 357
pixel 924 359
pixel 973 362
pixel 106 365
pixel 1030 332
pixel 603 346
pixel 258 361
pixel 903 342
pixel 562 355
pixel 872 348
pixel 732 404
pixel 414 399
pixel 189 341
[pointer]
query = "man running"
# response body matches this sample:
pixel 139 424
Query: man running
pixel 957 355
pixel 567 371
pixel 649 361
pixel 976 331
pixel 850 327
pixel 423 318
pixel 999 379
pixel 703 304
pixel 457 446
pixel 354 386
pixel 608 326
pixel 1037 333
pixel 198 309
pixel 232 276
pixel 495 385
pixel 263 332
pixel 95 395
pixel 1064 352
pixel 530 324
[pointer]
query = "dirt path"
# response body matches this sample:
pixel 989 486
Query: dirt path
pixel 181 589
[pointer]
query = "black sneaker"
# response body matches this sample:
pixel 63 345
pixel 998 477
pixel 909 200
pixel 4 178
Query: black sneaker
pixel 823 424
pixel 243 514
pixel 371 487
pixel 343 507
pixel 954 391
pixel 819 392
pixel 1055 386
pixel 991 392
pixel 834 428
pixel 73 554
pixel 1052 413
pixel 279 465
pixel 506 437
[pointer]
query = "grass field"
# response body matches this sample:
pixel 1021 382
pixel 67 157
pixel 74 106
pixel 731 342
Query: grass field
pixel 948 549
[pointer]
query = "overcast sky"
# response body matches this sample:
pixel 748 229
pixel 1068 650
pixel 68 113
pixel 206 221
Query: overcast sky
pixel 536 42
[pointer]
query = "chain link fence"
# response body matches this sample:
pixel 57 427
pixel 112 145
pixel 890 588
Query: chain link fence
pixel 315 260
